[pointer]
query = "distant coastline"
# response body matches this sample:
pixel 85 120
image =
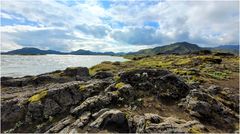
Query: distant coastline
pixel 175 48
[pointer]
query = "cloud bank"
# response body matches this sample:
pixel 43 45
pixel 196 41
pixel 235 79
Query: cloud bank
pixel 116 25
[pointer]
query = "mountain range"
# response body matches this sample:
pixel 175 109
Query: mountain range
pixel 36 51
pixel 175 48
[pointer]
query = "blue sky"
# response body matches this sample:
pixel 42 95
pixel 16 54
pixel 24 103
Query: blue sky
pixel 119 26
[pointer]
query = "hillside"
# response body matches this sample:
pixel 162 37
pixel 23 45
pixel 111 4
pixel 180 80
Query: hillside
pixel 87 52
pixel 36 51
pixel 175 48
pixel 234 49
pixel 32 51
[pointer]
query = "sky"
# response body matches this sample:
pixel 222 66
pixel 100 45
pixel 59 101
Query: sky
pixel 117 25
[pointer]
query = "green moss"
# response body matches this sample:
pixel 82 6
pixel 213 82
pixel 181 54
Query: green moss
pixel 218 75
pixel 82 87
pixel 194 130
pixel 147 123
pixel 116 78
pixel 115 92
pixel 38 96
pixel 104 66
pixel 119 85
pixel 183 61
pixel 178 64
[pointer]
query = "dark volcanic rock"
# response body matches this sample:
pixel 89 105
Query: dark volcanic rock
pixel 11 112
pixel 51 108
pixel 61 125
pixel 162 82
pixel 35 112
pixel 153 123
pixel 205 107
pixel 77 71
pixel 112 119
pixel 102 75
pixel 93 104
pixel 16 82
pixel 103 104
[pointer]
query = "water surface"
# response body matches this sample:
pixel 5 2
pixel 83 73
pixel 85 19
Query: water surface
pixel 22 65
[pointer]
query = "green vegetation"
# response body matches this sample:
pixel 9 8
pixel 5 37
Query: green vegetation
pixel 119 85
pixel 82 87
pixel 194 130
pixel 38 96
pixel 192 68
pixel 178 47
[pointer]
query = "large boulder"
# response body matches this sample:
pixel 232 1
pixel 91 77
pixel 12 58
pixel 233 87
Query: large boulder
pixel 102 75
pixel 51 108
pixel 82 120
pixel 161 82
pixel 35 112
pixel 174 125
pixel 93 104
pixel 153 123
pixel 113 120
pixel 16 82
pixel 11 113
pixel 61 125
pixel 207 108
pixel 76 71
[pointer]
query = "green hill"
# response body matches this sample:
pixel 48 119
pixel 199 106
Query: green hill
pixel 175 48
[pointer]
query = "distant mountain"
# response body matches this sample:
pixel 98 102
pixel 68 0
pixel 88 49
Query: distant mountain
pixel 227 48
pixel 31 51
pixel 36 51
pixel 175 48
pixel 87 52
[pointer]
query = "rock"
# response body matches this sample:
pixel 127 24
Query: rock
pixel 5 78
pixel 11 113
pixel 117 63
pixel 66 94
pixel 97 114
pixel 153 118
pixel 212 60
pixel 76 71
pixel 140 123
pixel 112 119
pixel 51 108
pixel 153 123
pixel 92 104
pixel 214 90
pixel 35 112
pixel 223 54
pixel 17 82
pixel 171 86
pixel 173 125
pixel 83 120
pixel 60 125
pixel 102 75
pixel 206 108
pixel 160 82
pixel 42 79
pixel 140 76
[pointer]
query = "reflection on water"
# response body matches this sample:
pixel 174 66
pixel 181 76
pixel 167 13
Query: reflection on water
pixel 20 65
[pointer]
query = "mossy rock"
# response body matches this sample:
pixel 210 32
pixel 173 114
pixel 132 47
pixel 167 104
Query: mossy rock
pixel 38 96
pixel 82 87
pixel 119 85
pixel 194 130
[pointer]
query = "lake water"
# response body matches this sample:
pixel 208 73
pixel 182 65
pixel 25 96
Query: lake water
pixel 20 65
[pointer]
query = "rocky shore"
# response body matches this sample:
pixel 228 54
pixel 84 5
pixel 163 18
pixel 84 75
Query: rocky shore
pixel 133 101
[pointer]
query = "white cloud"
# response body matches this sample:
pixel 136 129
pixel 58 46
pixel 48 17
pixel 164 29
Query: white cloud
pixel 71 25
